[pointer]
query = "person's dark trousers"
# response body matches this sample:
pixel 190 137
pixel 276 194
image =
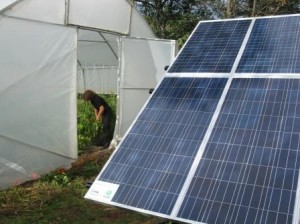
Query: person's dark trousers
pixel 106 123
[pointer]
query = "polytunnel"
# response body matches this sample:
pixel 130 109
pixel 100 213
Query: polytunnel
pixel 53 50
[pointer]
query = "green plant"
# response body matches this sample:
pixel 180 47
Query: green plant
pixel 58 177
pixel 86 126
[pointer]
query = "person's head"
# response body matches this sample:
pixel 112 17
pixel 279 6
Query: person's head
pixel 88 95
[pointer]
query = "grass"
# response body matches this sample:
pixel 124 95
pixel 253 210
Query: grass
pixel 58 198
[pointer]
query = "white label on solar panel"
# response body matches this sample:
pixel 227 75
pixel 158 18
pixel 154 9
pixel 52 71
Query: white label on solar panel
pixel 102 191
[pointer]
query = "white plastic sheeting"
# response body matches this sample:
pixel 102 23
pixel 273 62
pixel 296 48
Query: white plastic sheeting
pixel 49 51
pixel 37 98
pixel 100 79
pixel 96 48
pixel 142 67
pixel 6 3
pixel 139 26
pixel 40 10
pixel 115 16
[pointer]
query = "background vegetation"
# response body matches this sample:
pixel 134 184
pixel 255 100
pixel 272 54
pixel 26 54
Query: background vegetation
pixel 175 19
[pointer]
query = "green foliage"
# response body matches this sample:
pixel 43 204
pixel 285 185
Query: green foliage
pixel 175 19
pixel 251 8
pixel 58 177
pixel 180 29
pixel 86 124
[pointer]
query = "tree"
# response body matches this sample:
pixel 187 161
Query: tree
pixel 253 8
pixel 174 19
pixel 275 7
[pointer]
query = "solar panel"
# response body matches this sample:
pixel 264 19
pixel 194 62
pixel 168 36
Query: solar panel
pixel 213 47
pixel 273 47
pixel 249 170
pixel 152 162
pixel 217 148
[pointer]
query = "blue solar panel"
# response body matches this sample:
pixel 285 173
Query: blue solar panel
pixel 185 158
pixel 152 162
pixel 273 47
pixel 249 170
pixel 213 47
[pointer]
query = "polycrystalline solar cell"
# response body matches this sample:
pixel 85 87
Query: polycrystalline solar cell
pixel 249 170
pixel 213 47
pixel 152 162
pixel 273 47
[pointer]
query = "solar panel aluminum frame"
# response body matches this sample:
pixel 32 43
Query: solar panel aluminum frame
pixel 232 75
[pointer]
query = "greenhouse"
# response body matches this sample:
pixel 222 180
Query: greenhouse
pixel 53 50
